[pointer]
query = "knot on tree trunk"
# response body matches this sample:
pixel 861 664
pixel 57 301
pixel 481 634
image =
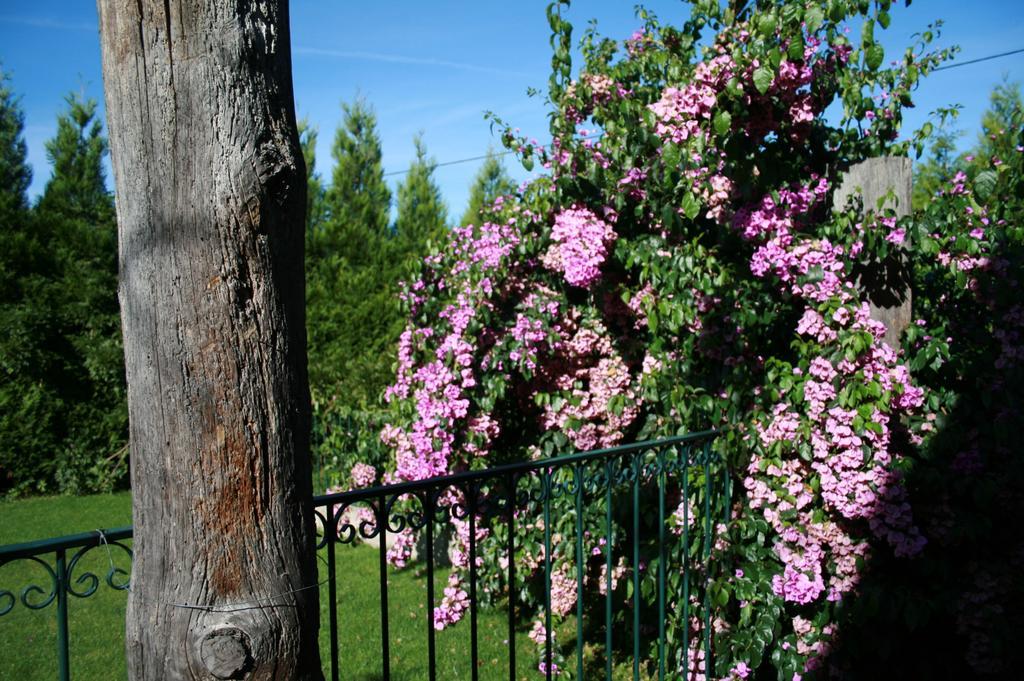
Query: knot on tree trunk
pixel 226 653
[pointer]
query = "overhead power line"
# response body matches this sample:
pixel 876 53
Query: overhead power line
pixel 451 163
pixel 478 158
pixel 506 153
pixel 979 60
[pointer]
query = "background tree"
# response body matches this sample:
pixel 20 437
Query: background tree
pixel 352 283
pixel 77 188
pixel 64 421
pixel 1000 124
pixel 211 192
pixel 316 209
pixel 77 211
pixel 940 165
pixel 29 408
pixel 492 181
pixel 358 200
pixel 422 215
pixel 15 174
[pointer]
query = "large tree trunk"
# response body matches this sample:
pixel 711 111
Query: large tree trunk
pixel 210 199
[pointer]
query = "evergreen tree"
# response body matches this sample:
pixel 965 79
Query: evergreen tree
pixel 15 173
pixel 422 215
pixel 77 189
pixel 315 193
pixel 21 252
pixel 358 201
pixel 79 211
pixel 65 424
pixel 30 410
pixel 935 171
pixel 353 319
pixel 1001 125
pixel 491 182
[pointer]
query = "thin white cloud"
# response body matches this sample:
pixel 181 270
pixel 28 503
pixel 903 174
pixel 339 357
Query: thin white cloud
pixel 400 59
pixel 449 116
pixel 411 106
pixel 36 22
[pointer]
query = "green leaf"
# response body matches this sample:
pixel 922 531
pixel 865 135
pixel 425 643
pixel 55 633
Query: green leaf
pixel 814 17
pixel 836 11
pixel 985 184
pixel 766 24
pixel 669 217
pixel 867 35
pixel 723 122
pixel 691 206
pixel 795 51
pixel 873 56
pixel 763 77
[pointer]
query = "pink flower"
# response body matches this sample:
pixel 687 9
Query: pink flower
pixel 581 241
pixel 740 671
pixel 454 604
pixel 363 475
pixel 896 236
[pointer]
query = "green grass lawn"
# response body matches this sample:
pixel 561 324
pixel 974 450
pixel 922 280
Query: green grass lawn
pixel 28 637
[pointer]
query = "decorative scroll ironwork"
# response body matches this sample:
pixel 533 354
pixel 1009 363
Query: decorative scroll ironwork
pixel 8 600
pixel 62 571
pixel 63 579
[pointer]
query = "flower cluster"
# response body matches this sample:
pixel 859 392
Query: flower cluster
pixel 581 241
pixel 363 475
pixel 852 458
pixel 681 111
pixel 453 605
pixel 592 375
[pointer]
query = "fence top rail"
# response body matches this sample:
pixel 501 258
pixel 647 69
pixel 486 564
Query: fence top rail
pixel 68 541
pixel 11 552
pixel 511 469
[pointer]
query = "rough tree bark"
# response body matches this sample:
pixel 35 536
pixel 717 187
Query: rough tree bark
pixel 210 198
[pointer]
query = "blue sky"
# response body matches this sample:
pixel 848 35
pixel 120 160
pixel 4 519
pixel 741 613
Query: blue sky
pixel 437 66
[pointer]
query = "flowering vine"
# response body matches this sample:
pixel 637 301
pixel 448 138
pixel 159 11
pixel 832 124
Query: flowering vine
pixel 688 270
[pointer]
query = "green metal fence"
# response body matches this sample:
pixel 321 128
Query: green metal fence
pixel 655 505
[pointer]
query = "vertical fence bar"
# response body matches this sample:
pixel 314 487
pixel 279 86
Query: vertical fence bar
pixel 637 465
pixel 511 519
pixel 546 491
pixel 708 542
pixel 63 659
pixel 385 638
pixel 428 509
pixel 609 541
pixel 685 453
pixel 726 493
pixel 580 569
pixel 332 592
pixel 661 565
pixel 474 652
